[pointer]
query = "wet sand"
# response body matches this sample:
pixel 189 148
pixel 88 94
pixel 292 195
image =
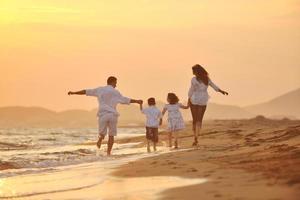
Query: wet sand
pixel 92 180
pixel 241 159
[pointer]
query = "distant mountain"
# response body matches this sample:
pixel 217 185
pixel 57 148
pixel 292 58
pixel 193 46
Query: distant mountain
pixel 286 105
pixel 218 111
pixel 130 115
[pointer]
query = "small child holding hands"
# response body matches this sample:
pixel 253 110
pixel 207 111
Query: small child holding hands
pixel 153 119
pixel 175 120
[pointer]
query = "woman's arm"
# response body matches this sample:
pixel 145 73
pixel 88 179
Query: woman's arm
pixel 216 88
pixel 189 102
pixel 223 92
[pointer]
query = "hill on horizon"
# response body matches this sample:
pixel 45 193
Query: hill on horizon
pixel 286 105
pixel 18 116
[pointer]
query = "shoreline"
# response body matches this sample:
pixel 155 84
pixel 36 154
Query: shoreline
pixel 63 182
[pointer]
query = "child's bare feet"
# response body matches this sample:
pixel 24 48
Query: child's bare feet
pixel 176 145
pixel 195 143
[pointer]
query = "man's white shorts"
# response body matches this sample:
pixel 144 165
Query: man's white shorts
pixel 107 123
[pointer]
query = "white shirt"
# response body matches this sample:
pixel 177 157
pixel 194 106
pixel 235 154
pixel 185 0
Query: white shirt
pixel 153 116
pixel 108 99
pixel 198 91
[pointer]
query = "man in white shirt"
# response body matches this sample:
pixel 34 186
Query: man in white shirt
pixel 153 119
pixel 108 99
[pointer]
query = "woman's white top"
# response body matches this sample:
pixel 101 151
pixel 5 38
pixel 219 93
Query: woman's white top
pixel 198 91
pixel 175 119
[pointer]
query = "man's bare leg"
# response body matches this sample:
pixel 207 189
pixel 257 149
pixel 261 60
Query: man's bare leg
pixel 148 146
pixel 101 137
pixel 154 146
pixel 110 145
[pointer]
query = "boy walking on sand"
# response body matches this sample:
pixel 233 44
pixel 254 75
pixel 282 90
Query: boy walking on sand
pixel 153 119
pixel 108 99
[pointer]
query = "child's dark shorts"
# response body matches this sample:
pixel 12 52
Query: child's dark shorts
pixel 152 134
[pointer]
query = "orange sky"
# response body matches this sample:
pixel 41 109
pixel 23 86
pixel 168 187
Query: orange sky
pixel 250 48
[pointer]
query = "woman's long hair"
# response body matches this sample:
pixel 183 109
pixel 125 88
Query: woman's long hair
pixel 201 74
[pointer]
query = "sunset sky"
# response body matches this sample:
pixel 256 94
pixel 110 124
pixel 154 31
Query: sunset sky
pixel 47 47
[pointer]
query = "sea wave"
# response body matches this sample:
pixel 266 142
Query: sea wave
pixel 5 146
pixel 50 158
pixel 31 150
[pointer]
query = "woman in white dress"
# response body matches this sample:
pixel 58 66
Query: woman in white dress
pixel 175 120
pixel 198 97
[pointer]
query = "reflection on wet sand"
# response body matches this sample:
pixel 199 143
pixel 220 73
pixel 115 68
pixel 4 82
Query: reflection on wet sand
pixel 97 183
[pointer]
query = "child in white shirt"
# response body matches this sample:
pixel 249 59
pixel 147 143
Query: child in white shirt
pixel 153 119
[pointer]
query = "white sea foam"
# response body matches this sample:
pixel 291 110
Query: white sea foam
pixel 30 150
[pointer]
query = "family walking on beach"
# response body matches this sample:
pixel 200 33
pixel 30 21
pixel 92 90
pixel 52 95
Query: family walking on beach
pixel 109 98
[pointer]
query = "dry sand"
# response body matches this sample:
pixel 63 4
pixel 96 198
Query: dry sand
pixel 241 159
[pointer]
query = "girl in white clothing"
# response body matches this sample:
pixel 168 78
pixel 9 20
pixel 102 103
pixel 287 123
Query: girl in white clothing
pixel 198 97
pixel 175 120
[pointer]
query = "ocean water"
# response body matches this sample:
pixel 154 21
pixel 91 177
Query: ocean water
pixel 23 150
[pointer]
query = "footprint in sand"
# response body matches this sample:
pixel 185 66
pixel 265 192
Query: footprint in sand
pixel 171 163
pixel 254 145
pixel 192 170
pixel 217 195
pixel 153 163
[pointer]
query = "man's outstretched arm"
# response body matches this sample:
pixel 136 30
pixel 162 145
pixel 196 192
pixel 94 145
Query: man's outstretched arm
pixel 81 92
pixel 136 101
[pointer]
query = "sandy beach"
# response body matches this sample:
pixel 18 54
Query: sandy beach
pixel 236 159
pixel 246 159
